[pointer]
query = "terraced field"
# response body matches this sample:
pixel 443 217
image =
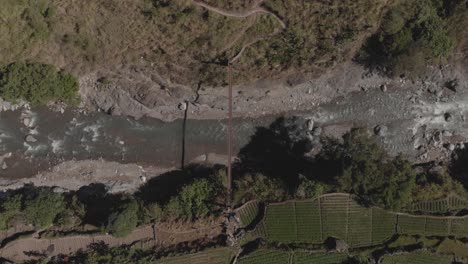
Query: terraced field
pixel 297 257
pixel 335 216
pixel 440 206
pixel 308 221
pixel 459 227
pixel 339 216
pixel 432 226
pixel 212 256
pixel 281 224
pixel 411 225
pixel 248 213
pixel 383 225
pixel 419 257
pixel 266 257
pixel 318 258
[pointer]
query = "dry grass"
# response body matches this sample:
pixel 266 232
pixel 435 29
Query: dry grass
pixel 183 42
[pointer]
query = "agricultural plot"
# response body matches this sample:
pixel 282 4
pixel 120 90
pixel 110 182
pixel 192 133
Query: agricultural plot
pixel 411 225
pixel 440 206
pixel 265 257
pixel 212 256
pixel 431 206
pixel 248 213
pixel 341 217
pixel 260 230
pixel 455 202
pixel 280 222
pixel 334 211
pixel 383 225
pixel 318 258
pixel 419 257
pixel 459 227
pixel 336 216
pixel 437 227
pixel 359 225
pixel 308 222
pixel 420 225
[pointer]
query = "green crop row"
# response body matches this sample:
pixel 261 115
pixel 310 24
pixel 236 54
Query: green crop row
pixel 296 257
pixel 212 256
pixel 339 216
pixel 248 213
pixel 419 257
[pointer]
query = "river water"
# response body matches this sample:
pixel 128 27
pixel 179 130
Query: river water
pixel 76 136
pixel 72 135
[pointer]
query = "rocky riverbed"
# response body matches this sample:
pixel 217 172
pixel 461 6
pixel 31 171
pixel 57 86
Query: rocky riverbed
pixel 71 147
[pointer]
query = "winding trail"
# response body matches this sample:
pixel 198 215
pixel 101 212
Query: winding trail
pixel 239 14
pixel 243 14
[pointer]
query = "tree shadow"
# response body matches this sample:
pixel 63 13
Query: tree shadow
pixel 99 203
pixel 459 166
pixel 371 56
pixel 277 151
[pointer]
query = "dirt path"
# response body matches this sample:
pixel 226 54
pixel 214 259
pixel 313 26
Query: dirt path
pixel 144 237
pixel 243 14
pixel 239 14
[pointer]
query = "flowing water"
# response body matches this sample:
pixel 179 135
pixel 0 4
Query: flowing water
pixel 146 141
pixel 72 135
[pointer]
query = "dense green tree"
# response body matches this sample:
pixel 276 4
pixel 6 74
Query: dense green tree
pixel 73 214
pixel 42 208
pixel 37 83
pixel 363 168
pixel 124 219
pixel 100 253
pixel 10 207
pixel 151 212
pixel 194 200
pixel 399 182
pixel 309 188
pixel 260 187
pixel 413 34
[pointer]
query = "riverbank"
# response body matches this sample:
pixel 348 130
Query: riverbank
pixel 145 95
pixel 424 120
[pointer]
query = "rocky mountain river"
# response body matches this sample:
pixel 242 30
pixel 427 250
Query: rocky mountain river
pixel 422 124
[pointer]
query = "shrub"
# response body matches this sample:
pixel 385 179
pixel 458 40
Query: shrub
pixel 9 208
pixel 73 214
pixel 363 168
pixel 37 83
pixel 309 189
pixel 42 209
pixel 152 211
pixel 411 31
pixel 393 22
pixel 102 253
pixel 260 187
pixel 284 49
pixel 124 220
pixel 194 200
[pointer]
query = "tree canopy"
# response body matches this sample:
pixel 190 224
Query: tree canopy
pixel 42 209
pixel 364 168
pixel 193 201
pixel 124 219
pixel 37 83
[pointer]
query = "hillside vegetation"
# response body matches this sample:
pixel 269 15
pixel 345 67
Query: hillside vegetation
pixel 416 33
pixel 188 44
pixel 37 84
